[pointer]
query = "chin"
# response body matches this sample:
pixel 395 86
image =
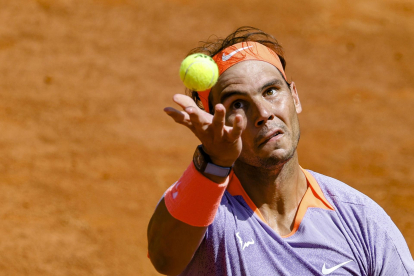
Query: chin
pixel 275 160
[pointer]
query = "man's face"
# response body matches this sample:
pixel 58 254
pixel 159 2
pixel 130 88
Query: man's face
pixel 257 91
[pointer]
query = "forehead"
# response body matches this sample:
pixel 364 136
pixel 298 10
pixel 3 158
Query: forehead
pixel 246 76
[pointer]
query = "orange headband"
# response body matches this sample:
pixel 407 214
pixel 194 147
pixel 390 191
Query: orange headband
pixel 241 52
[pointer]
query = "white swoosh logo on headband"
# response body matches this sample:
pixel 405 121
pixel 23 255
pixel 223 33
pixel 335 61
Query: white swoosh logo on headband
pixel 227 57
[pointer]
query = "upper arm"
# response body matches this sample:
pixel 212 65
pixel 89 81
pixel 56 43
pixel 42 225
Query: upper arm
pixel 389 251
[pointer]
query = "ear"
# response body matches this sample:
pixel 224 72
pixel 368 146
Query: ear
pixel 295 96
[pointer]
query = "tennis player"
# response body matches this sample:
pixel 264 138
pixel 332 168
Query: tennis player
pixel 244 205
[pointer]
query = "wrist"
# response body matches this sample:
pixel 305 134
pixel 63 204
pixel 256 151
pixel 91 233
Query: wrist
pixel 223 162
pixel 205 164
pixel 194 199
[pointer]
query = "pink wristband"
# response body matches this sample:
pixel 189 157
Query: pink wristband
pixel 194 199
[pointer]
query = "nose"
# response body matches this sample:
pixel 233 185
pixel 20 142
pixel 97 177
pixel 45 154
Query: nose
pixel 264 113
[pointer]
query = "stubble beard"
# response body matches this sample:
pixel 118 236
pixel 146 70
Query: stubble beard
pixel 272 162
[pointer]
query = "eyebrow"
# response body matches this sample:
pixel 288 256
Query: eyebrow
pixel 228 94
pixel 270 83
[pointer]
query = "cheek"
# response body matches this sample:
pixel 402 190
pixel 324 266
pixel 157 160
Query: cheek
pixel 286 112
pixel 248 137
pixel 229 120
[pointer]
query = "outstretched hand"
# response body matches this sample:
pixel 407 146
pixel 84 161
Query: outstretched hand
pixel 221 142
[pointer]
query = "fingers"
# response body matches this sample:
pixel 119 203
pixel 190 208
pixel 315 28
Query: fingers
pixel 219 120
pixel 237 129
pixel 184 101
pixel 178 116
pixel 219 117
pixel 196 115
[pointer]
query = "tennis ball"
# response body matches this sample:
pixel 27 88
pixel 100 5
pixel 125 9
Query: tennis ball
pixel 199 72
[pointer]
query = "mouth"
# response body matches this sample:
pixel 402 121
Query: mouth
pixel 273 135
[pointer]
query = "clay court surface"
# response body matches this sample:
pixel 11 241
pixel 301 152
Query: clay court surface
pixel 86 150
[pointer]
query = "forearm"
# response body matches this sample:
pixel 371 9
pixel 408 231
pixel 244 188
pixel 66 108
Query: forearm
pixel 181 219
pixel 171 243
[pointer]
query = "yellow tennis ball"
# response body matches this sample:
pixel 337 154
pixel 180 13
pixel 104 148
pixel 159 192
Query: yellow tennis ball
pixel 199 72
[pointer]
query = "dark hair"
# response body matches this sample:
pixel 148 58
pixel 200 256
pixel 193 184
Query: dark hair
pixel 242 34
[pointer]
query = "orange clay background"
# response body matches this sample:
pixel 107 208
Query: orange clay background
pixel 86 150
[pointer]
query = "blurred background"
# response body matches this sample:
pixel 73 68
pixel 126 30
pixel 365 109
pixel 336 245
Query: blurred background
pixel 86 150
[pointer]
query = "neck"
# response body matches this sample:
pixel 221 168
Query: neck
pixel 277 192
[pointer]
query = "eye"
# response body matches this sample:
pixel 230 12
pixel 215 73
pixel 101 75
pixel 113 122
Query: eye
pixel 270 92
pixel 237 105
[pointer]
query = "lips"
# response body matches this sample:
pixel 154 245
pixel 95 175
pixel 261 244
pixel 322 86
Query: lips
pixel 270 135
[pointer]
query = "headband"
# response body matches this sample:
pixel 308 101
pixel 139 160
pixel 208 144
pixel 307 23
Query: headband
pixel 241 52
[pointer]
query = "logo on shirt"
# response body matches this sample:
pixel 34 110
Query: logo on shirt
pixel 326 271
pixel 243 244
